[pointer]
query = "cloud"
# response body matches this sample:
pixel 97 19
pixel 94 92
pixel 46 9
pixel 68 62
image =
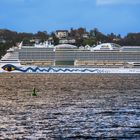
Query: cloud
pixel 116 2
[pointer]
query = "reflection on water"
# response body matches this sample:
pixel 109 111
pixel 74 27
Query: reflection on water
pixel 69 114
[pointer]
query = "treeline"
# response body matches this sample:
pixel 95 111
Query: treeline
pixel 4 47
pixel 92 37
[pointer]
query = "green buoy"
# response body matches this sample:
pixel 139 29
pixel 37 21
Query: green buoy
pixel 34 92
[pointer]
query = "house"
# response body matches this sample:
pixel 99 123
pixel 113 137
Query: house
pixel 86 35
pixel 2 41
pixel 67 41
pixel 61 34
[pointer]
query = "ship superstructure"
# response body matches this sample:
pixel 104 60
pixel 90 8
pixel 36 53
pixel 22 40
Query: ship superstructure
pixel 103 55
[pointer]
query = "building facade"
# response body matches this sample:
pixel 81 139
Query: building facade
pixel 61 34
pixel 100 56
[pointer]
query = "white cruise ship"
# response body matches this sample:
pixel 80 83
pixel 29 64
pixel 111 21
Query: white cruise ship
pixel 65 58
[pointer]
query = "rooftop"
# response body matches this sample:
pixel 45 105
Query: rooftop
pixel 106 46
pixel 65 46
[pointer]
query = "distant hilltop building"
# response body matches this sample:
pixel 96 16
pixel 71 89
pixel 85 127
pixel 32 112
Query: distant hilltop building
pixel 61 34
pixel 86 35
pixel 2 40
pixel 67 41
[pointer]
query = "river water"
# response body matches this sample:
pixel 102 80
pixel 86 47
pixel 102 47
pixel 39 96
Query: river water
pixel 72 110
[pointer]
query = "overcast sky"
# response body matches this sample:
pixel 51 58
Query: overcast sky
pixel 118 16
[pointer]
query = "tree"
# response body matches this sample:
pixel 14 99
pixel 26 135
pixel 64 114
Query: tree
pixel 81 31
pixel 89 42
pixel 42 36
pixel 94 32
pixel 132 39
pixel 56 40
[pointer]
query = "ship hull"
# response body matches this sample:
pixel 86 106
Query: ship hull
pixel 35 69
